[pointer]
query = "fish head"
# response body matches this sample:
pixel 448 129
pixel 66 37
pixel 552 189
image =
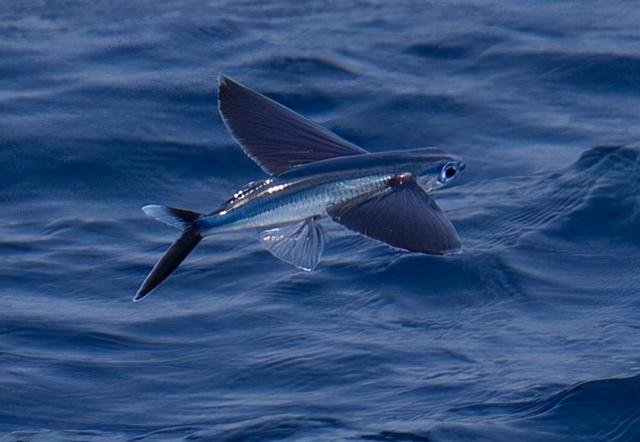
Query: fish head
pixel 436 168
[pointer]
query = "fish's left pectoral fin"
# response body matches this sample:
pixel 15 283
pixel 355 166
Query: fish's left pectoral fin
pixel 274 136
pixel 402 215
pixel 300 244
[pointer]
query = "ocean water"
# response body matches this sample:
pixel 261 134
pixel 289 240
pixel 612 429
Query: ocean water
pixel 532 334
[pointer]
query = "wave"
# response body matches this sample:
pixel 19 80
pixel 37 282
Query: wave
pixel 604 409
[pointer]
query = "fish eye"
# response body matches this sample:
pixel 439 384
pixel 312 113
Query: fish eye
pixel 449 172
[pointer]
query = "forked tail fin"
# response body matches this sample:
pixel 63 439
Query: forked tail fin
pixel 177 252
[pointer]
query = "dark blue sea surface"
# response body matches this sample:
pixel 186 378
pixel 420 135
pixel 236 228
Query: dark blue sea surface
pixel 532 334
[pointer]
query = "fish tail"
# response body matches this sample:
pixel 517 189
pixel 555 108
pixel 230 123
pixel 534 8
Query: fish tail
pixel 185 220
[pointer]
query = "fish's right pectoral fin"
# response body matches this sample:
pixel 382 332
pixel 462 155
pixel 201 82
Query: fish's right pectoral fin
pixel 402 215
pixel 300 244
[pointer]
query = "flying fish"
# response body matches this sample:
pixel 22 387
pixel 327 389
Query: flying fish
pixel 314 174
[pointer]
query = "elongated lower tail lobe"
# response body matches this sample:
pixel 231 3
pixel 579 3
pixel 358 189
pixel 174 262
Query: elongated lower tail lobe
pixel 177 252
pixel 170 261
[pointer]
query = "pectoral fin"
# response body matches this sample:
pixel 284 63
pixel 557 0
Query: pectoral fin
pixel 300 244
pixel 273 135
pixel 402 215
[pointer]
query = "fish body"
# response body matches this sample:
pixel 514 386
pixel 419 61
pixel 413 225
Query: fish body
pixel 307 191
pixel 314 174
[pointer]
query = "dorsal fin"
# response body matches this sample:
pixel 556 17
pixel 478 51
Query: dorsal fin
pixel 274 136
